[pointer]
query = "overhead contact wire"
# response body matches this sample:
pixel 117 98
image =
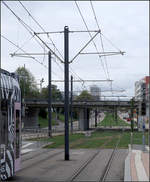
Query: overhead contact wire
pixel 90 36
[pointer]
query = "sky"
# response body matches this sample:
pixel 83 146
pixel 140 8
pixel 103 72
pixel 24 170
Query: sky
pixel 125 24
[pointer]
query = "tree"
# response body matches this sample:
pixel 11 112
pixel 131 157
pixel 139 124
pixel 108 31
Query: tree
pixel 84 96
pixel 27 83
pixel 56 94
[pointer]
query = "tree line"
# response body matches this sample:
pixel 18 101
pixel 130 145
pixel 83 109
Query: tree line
pixel 29 88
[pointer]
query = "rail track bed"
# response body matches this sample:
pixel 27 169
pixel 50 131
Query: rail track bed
pixel 84 165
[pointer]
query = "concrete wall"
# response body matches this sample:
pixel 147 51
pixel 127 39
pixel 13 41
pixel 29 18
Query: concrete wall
pixel 31 118
pixel 84 119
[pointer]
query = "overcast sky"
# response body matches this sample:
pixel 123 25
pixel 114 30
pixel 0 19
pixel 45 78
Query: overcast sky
pixel 126 24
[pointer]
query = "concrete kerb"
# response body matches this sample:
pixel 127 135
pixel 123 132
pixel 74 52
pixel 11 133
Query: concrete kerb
pixel 127 168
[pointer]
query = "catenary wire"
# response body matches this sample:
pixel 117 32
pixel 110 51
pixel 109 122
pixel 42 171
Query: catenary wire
pixel 90 35
pixel 29 56
pixel 48 37
pixel 40 27
pixel 27 27
pixel 95 17
pixel 31 31
pixel 24 44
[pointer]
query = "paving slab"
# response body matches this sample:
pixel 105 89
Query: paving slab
pixel 48 165
pixel 138 163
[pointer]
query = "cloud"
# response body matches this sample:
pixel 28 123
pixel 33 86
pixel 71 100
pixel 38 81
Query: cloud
pixel 124 23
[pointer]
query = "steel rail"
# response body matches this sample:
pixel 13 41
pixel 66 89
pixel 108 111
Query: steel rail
pixel 107 168
pixel 83 166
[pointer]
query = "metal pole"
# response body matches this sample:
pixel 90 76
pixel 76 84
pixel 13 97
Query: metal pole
pixel 143 137
pixel 96 117
pixel 49 96
pixel 116 116
pixel 132 124
pixel 71 114
pixel 66 75
pixel 0 121
pixel 24 84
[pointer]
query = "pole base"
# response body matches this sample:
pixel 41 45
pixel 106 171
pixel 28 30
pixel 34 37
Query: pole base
pixel 66 157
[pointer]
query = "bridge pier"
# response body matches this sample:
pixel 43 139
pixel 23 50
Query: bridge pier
pixel 31 117
pixel 84 115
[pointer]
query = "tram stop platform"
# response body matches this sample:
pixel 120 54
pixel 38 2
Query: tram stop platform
pixel 137 164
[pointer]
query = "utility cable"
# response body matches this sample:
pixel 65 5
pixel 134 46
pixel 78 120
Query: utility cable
pixel 111 43
pixel 95 17
pixel 24 44
pixel 90 35
pixel 29 56
pixel 47 36
pixel 40 27
pixel 27 27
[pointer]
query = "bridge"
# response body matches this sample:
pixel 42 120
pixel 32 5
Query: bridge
pixel 32 107
pixel 37 103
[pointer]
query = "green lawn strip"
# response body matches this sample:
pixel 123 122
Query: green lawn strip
pixel 92 144
pixel 61 117
pixel 58 141
pixel 112 142
pixel 44 121
pixel 78 143
pixel 137 138
pixel 125 140
pixel 105 133
pixel 109 121
pixel 96 140
pixel 99 139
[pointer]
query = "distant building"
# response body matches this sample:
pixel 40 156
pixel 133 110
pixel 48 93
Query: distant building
pixel 142 93
pixel 147 96
pixel 140 90
pixel 95 92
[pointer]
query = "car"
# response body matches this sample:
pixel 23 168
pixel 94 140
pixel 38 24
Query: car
pixel 128 119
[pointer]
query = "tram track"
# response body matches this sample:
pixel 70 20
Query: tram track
pixel 108 166
pixel 41 160
pixel 84 166
pixel 36 155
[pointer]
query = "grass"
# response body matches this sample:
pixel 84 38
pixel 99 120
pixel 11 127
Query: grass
pixel 109 121
pixel 98 139
pixel 44 122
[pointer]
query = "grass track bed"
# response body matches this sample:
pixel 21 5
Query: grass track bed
pixel 98 139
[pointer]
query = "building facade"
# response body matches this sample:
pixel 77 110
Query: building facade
pixel 142 93
pixel 95 92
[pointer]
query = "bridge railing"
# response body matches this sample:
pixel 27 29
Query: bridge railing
pixel 30 133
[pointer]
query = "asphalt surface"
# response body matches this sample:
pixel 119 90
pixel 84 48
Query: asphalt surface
pixel 43 165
